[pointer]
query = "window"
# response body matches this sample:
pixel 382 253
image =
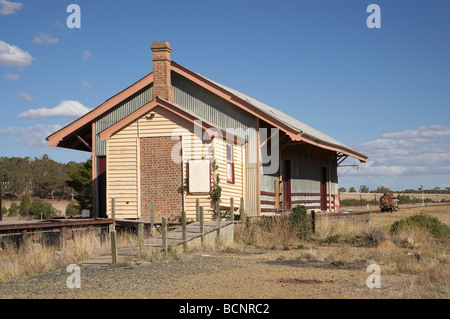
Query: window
pixel 230 163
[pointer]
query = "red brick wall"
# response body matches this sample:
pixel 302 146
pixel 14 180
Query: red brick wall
pixel 160 178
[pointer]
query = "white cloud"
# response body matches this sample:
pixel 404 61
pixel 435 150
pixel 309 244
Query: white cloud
pixel 44 38
pixel 8 7
pixel 10 77
pixel 32 136
pixel 423 151
pixel 11 55
pixel 27 97
pixel 63 109
pixel 58 26
pixel 86 84
pixel 425 132
pixel 86 55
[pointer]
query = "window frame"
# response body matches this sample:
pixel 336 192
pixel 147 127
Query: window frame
pixel 230 163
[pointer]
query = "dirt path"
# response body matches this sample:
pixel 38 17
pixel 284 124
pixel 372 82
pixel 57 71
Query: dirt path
pixel 257 275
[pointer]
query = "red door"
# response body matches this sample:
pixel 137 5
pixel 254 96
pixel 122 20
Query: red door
pixel 323 188
pixel 101 183
pixel 286 177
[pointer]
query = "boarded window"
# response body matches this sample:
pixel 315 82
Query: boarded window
pixel 199 176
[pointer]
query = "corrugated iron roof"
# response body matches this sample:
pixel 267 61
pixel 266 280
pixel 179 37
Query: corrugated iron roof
pixel 297 125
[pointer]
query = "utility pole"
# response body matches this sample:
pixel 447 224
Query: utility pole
pixel 421 186
pixel 422 196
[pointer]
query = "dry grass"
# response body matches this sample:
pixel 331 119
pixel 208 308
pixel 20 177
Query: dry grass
pixel 413 257
pixel 269 233
pixel 415 262
pixel 36 258
pixel 326 227
pixel 414 253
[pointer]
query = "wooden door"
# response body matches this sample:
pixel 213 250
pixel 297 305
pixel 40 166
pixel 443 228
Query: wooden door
pixel 286 184
pixel 323 188
pixel 101 183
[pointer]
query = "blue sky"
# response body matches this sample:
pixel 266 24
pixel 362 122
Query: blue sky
pixel 384 92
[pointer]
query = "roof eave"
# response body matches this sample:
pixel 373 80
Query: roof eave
pixel 333 147
pixel 87 119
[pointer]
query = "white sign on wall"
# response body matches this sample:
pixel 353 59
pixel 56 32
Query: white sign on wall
pixel 199 176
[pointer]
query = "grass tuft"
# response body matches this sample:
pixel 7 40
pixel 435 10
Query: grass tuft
pixel 424 222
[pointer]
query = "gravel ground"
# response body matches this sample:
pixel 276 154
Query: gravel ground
pixel 257 275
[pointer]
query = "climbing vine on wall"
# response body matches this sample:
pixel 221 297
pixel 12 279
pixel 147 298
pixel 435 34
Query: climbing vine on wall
pixel 216 189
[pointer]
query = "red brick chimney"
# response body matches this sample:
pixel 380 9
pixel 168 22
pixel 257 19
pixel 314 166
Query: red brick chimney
pixel 162 86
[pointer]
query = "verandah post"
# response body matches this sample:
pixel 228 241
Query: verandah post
pixel 232 209
pixel 202 224
pixel 113 232
pixel 197 210
pixel 113 246
pixel 242 211
pixel 141 238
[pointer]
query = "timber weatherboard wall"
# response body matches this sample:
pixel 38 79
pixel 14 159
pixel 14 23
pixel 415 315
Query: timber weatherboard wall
pixel 107 119
pixel 230 190
pixel 123 169
pixel 224 114
pixel 117 113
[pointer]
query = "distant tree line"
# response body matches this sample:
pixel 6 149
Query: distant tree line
pixel 38 177
pixel 402 199
pixel 382 189
pixel 34 180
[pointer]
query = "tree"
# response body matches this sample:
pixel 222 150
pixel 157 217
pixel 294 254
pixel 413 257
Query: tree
pixel 13 210
pixel 342 190
pixel 383 190
pixel 352 190
pixel 17 172
pixel 49 177
pixel 38 177
pixel 363 189
pixel 4 210
pixel 80 180
pixel 25 205
pixel 72 209
pixel 42 209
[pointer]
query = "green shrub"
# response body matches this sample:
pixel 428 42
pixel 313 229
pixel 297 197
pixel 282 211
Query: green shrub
pixel 424 222
pixel 404 199
pixel 4 211
pixel 25 205
pixel 300 221
pixel 72 209
pixel 40 208
pixel 13 210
